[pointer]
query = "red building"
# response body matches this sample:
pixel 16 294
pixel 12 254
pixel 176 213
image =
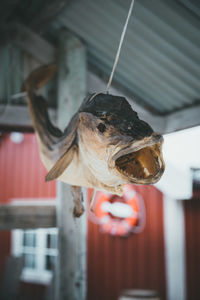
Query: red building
pixel 113 263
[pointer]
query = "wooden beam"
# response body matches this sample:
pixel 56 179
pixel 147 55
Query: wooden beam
pixel 27 216
pixel 71 271
pixel 38 17
pixel 47 14
pixel 29 41
pixel 175 253
pixel 45 53
pixel 7 8
pixel 34 44
pixel 182 119
pixel 17 116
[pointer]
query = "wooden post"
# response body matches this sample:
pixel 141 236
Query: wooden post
pixel 71 267
pixel 174 233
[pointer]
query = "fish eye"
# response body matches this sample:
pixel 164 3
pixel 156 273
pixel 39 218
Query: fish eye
pixel 101 127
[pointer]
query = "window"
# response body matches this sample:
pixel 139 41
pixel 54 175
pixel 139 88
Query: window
pixel 39 249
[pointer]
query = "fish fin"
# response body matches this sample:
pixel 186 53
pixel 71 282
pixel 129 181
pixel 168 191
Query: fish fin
pixel 61 165
pixel 77 196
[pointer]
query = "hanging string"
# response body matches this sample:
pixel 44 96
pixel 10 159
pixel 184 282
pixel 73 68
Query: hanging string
pixel 92 198
pixel 119 47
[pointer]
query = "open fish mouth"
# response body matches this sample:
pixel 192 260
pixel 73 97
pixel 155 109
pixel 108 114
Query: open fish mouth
pixel 141 162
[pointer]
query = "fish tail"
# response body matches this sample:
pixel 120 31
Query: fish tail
pixel 47 133
pixel 39 77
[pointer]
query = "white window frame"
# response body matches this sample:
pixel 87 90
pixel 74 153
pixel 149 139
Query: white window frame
pixel 38 274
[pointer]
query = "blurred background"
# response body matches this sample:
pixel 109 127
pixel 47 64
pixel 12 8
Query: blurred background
pixel 146 244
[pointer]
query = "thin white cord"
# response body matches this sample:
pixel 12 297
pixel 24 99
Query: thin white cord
pixel 120 45
pixel 92 200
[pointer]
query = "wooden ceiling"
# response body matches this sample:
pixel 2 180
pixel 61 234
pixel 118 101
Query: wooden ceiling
pixel 160 78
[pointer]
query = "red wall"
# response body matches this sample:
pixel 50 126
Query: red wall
pixel 4 250
pixel 113 263
pixel 192 228
pixel 21 176
pixel 135 262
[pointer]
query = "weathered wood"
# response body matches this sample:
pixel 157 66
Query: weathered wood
pixel 29 41
pixel 71 77
pixel 182 119
pixel 47 14
pixel 38 47
pixel 174 233
pixel 7 7
pixel 71 271
pixel 34 44
pixel 16 65
pixel 15 116
pixel 27 216
pixel 38 16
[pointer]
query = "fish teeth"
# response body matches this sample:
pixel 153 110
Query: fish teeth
pixel 126 173
pixel 146 171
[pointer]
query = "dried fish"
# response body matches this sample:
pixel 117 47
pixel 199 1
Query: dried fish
pixel 104 146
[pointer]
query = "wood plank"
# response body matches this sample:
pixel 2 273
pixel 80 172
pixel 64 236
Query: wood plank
pixel 174 233
pixel 27 216
pixel 185 118
pixel 7 7
pixel 45 53
pixel 34 44
pixel 29 41
pixel 71 271
pixel 17 116
pixel 38 17
pixel 47 14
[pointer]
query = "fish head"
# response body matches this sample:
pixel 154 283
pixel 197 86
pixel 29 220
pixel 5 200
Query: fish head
pixel 114 135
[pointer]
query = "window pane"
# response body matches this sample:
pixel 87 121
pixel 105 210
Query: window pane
pixel 51 241
pixel 29 239
pixel 30 261
pixel 50 262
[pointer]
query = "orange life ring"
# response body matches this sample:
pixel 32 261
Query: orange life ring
pixel 117 225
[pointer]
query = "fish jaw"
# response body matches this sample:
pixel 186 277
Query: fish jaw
pixel 139 162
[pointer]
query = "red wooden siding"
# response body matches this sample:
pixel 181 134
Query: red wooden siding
pixel 192 228
pixel 135 262
pixel 113 263
pixel 21 176
pixel 4 250
pixel 30 291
